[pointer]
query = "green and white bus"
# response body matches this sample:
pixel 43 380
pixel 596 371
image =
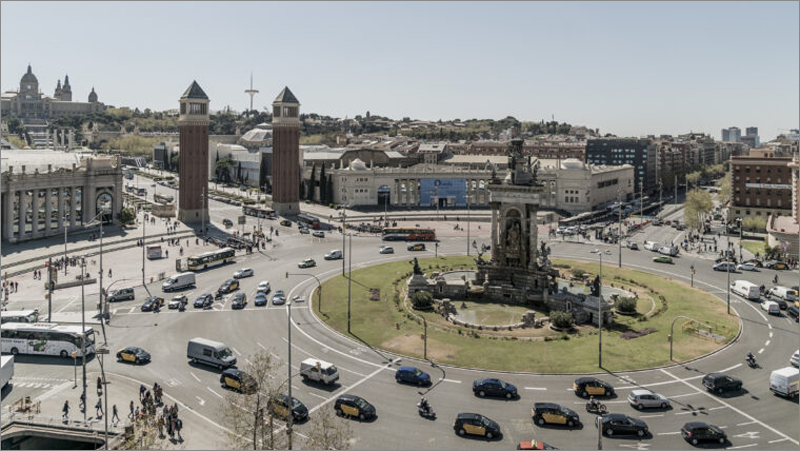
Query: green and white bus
pixel 45 339
pixel 210 259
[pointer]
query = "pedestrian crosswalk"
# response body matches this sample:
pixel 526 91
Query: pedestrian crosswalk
pixel 37 382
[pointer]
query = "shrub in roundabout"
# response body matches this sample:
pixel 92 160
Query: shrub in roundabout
pixel 421 300
pixel 626 305
pixel 561 320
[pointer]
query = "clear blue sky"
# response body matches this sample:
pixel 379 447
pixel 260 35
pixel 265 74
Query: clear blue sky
pixel 628 68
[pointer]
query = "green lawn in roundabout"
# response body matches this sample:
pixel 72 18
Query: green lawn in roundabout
pixel 377 306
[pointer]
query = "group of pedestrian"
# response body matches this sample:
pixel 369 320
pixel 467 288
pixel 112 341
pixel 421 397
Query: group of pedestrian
pixel 169 420
pixel 37 274
pixel 60 263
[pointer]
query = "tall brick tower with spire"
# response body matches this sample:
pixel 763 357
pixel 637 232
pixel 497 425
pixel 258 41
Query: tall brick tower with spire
pixel 193 124
pixel 286 153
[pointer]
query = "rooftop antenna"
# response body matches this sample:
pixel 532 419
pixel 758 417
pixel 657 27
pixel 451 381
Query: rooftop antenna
pixel 252 92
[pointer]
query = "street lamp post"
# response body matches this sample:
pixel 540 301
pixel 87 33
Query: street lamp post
pixel 741 257
pixel 101 352
pixel 468 222
pixel 103 308
pixel 619 235
pixel 349 281
pixel 600 309
pixel 289 368
pixel 728 266
pixel 83 332
pixel 319 286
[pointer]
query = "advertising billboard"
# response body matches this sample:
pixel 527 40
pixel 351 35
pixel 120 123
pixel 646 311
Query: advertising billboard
pixel 449 192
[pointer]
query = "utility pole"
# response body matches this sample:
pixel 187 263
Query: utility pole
pixel 49 289
pixel 83 332
pixel 641 202
pixel 619 235
pixel 344 231
pixel 289 367
pixel 66 262
pixel 349 281
pixel 728 266
pixel 203 200
pixel 468 224
pixel 144 245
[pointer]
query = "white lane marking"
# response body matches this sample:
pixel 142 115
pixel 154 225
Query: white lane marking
pixel 768 324
pixel 212 391
pixel 778 440
pixel 247 361
pixel 262 347
pixel 717 408
pixel 686 413
pixel 274 356
pixel 452 381
pixel 743 446
pixel 195 377
pixel 767 343
pixel 770 335
pixel 535 388
pixel 746 423
pixel 652 416
pixel 200 400
pixel 133 309
pixel 72 299
pixel 761 350
pixel 295 387
pixel 346 389
pixel 318 396
pixel 744 414
pixel 668 433
pixel 236 351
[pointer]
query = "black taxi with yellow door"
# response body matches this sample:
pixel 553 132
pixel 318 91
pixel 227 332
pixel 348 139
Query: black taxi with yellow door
pixel 476 424
pixel 238 380
pixel 279 406
pixel 355 407
pixel 592 386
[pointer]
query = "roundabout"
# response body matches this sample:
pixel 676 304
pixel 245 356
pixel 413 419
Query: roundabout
pixel 491 338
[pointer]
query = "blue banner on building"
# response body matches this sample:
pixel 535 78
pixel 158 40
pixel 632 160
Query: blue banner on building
pixel 450 192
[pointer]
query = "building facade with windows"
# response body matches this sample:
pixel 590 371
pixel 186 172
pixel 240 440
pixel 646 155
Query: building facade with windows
pixel 639 153
pixel 28 102
pixel 761 185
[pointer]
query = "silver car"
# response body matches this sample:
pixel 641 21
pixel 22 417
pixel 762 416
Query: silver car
pixel 642 399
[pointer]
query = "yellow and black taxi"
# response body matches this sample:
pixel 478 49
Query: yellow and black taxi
pixel 229 286
pixel 286 223
pixel 781 266
pixel 133 355
pixel 279 406
pixel 592 386
pixel 239 301
pixel 238 380
pixel 552 413
pixel 416 247
pixel 355 407
pixel 476 424
pixel 152 303
pixel 534 444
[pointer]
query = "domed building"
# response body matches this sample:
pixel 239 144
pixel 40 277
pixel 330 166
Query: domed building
pixel 28 102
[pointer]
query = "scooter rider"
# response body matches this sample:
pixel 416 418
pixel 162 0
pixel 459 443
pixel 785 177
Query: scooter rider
pixel 594 403
pixel 751 358
pixel 424 406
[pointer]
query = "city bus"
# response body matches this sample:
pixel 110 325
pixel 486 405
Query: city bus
pixel 308 220
pixel 154 252
pixel 211 259
pixel 259 212
pixel 19 316
pixel 45 339
pixel 409 234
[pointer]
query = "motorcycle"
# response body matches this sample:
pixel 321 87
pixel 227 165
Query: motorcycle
pixel 426 412
pixel 751 361
pixel 598 409
pixel 218 296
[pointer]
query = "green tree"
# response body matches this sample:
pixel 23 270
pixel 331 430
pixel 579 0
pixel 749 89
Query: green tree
pixel 692 179
pixel 175 162
pixel 323 186
pixel 262 172
pixel 239 172
pixel 422 300
pixel 310 185
pixel 17 142
pixel 724 194
pixel 626 304
pixel 754 223
pixel 561 320
pixel 127 216
pixel 698 204
pixel 222 169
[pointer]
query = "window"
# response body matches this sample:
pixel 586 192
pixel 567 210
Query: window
pixel 197 108
pixel 183 108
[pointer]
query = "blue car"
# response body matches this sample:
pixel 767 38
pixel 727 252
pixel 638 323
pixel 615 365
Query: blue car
pixel 412 375
pixel 260 299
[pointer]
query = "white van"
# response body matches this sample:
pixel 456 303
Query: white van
pixel 319 371
pixel 672 251
pixel 746 289
pixel 787 294
pixel 335 254
pixel 785 382
pixel 651 246
pixel 179 282
pixel 214 353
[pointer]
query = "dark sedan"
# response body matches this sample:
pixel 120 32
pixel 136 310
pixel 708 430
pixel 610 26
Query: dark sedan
pixel 696 431
pixel 494 387
pixel 617 423
pixel 204 301
pixel 239 301
pixel 152 303
pixel 412 375
pixel 134 355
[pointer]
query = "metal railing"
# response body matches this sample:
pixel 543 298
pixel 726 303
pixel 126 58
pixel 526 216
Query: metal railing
pixel 28 419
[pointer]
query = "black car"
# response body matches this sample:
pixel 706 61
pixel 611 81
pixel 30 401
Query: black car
pixel 494 387
pixel 151 303
pixel 134 355
pixel 239 301
pixel 551 413
pixel 781 303
pixel 793 312
pixel 204 301
pixel 720 382
pixel 412 375
pixel 354 406
pixel 228 286
pixel 696 431
pixel 279 406
pixel 592 386
pixel 476 424
pixel 618 423
pixel 237 379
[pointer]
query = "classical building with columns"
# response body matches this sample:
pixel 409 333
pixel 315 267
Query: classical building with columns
pixel 63 190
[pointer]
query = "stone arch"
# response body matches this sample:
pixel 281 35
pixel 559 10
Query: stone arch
pixel 104 202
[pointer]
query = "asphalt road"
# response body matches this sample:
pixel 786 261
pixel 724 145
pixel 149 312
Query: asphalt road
pixel 754 418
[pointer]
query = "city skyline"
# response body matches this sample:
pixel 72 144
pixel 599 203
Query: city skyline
pixel 628 69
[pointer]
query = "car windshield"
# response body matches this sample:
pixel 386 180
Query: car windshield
pixel 565 411
pixel 502 384
pixel 361 403
pixel 417 372
pixel 296 404
pixel 225 352
pixel 486 422
pixel 331 370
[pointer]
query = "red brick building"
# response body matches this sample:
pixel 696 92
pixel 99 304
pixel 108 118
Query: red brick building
pixel 193 169
pixel 286 158
pixel 760 186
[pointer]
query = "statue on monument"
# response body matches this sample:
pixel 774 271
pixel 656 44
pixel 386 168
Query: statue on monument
pixel 417 269
pixel 512 242
pixel 595 289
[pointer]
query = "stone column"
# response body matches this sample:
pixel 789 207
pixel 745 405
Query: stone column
pixel 408 191
pixel 61 208
pixel 21 207
pixel 89 194
pixel 35 213
pixel 8 212
pixel 48 209
pixel 494 206
pixel 73 207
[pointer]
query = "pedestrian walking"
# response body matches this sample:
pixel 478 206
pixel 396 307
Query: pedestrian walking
pixel 115 413
pixel 137 414
pixel 99 386
pixel 160 426
pixel 82 405
pixel 65 411
pixel 99 407
pixel 178 427
pixel 130 415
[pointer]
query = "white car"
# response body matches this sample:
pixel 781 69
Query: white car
pixel 298 299
pixel 642 399
pixel 795 360
pixel 319 234
pixel 386 250
pixel 746 267
pixel 244 272
pixel 771 307
pixel 263 287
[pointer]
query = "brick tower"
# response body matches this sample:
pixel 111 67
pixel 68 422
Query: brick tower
pixel 193 168
pixel 286 153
